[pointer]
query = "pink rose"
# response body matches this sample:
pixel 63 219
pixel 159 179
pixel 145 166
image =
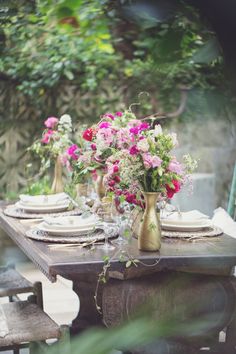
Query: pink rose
pixel 51 122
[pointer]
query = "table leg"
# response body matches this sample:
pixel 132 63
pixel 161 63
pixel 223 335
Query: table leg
pixel 85 286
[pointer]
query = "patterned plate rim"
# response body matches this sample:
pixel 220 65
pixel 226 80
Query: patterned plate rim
pixel 15 212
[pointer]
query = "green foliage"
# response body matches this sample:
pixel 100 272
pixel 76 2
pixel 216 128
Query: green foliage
pixel 56 41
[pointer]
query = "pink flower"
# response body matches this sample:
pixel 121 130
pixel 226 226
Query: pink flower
pixel 104 125
pixel 115 169
pixel 47 136
pixel 156 161
pixel 88 134
pixel 171 191
pixel 119 114
pixel 93 147
pixel 109 115
pixel 151 161
pixel 143 126
pixel 134 130
pixel 71 152
pixel 51 122
pixel 106 135
pixel 176 167
pixel 133 150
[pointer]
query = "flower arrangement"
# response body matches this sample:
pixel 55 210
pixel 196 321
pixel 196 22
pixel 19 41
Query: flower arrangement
pixel 143 161
pixel 55 139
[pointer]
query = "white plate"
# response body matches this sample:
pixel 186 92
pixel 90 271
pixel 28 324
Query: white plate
pixel 186 227
pixel 71 222
pixel 183 222
pixel 57 231
pixel 44 200
pixel 44 209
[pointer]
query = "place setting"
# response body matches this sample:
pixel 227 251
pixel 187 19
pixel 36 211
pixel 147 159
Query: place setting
pixel 38 206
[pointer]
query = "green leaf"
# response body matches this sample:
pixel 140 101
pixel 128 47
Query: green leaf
pixel 128 264
pixel 69 74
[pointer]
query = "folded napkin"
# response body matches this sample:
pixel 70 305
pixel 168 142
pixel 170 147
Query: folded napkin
pixel 3 324
pixel 193 215
pixel 223 220
pixel 44 199
pixel 71 220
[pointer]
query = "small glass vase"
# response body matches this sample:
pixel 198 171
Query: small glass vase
pixel 99 187
pixel 149 238
pixel 57 185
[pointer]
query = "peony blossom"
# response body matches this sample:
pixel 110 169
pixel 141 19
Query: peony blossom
pixel 71 151
pixel 88 134
pixel 51 122
pixel 171 191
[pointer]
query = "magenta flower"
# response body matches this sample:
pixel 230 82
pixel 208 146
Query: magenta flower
pixel 93 147
pixel 119 114
pixel 51 122
pixel 133 150
pixel 104 125
pixel 47 136
pixel 109 115
pixel 144 126
pixel 71 151
pixel 134 130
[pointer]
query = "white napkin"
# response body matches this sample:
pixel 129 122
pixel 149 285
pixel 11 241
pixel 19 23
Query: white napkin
pixel 193 215
pixel 44 199
pixel 71 220
pixel 223 220
pixel 3 324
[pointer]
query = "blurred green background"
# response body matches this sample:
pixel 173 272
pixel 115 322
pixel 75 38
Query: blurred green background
pixel 85 58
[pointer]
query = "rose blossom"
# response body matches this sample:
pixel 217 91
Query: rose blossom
pixel 171 191
pixel 151 161
pixel 88 134
pixel 51 122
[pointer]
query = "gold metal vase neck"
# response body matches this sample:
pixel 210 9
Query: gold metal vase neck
pixel 57 185
pixel 149 238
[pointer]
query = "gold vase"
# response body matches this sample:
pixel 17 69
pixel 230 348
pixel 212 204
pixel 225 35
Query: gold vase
pixel 57 185
pixel 99 187
pixel 149 238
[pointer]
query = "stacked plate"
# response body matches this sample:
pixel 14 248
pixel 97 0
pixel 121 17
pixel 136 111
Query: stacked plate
pixel 189 221
pixel 69 225
pixel 44 203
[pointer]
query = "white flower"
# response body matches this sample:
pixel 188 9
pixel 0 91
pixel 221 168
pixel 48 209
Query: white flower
pixel 157 130
pixel 65 123
pixel 143 145
pixel 174 139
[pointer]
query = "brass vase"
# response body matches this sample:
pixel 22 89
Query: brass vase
pixel 57 185
pixel 99 187
pixel 149 238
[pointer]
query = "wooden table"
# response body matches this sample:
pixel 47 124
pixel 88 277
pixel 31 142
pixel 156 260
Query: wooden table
pixel 212 257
